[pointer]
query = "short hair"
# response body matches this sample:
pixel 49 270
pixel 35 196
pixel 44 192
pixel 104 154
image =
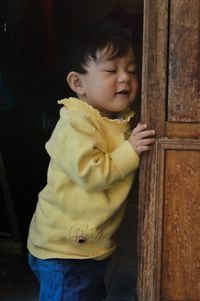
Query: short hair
pixel 88 43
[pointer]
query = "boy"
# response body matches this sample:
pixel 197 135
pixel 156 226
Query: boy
pixel 93 161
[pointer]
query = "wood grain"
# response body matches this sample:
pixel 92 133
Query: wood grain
pixel 153 105
pixel 181 226
pixel 168 261
pixel 184 61
pixel 183 130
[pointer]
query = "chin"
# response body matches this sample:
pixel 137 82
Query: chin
pixel 123 107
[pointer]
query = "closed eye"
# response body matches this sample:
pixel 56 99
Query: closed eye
pixel 132 71
pixel 111 71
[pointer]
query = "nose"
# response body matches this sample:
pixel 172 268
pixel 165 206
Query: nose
pixel 123 77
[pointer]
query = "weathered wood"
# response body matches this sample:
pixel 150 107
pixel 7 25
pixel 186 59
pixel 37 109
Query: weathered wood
pixel 183 130
pixel 153 113
pixel 181 225
pixel 154 64
pixel 165 146
pixel 168 264
pixel 184 61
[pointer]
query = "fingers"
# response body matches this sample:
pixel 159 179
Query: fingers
pixel 141 139
pixel 144 134
pixel 142 149
pixel 139 128
pixel 142 145
pixel 146 141
pixel 139 132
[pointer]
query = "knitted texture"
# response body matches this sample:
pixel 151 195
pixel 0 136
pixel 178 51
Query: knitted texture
pixel 90 173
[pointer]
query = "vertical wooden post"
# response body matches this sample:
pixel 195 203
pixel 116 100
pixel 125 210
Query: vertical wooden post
pixel 154 86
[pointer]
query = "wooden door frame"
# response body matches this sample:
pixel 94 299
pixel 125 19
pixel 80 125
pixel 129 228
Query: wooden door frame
pixel 153 112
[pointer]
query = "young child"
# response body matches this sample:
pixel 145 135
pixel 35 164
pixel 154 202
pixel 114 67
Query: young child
pixel 94 156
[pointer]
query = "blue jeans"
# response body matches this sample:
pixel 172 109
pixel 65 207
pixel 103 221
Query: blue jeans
pixel 70 279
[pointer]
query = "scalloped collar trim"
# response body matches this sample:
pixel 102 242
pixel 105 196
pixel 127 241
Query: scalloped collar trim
pixel 80 105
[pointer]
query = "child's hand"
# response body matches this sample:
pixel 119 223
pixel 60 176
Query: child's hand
pixel 141 139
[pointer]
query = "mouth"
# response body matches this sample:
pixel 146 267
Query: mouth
pixel 123 92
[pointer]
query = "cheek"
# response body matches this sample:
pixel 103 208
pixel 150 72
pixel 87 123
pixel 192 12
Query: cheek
pixel 109 84
pixel 135 86
pixel 137 83
pixel 104 86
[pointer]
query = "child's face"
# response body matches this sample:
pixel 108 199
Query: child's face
pixel 110 85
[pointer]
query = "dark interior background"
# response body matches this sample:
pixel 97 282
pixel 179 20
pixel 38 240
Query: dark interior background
pixel 34 35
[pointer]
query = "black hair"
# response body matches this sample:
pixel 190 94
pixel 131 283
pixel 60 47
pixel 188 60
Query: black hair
pixel 88 43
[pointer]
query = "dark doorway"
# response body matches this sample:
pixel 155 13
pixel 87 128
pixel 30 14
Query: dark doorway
pixel 33 62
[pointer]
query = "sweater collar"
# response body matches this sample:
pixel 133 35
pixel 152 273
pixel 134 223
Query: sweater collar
pixel 76 104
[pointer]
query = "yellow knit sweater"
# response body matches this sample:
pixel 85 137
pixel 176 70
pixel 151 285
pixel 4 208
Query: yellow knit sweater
pixel 90 173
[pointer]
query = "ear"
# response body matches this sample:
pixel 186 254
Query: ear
pixel 74 80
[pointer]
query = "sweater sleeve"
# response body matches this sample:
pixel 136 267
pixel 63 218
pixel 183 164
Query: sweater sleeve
pixel 77 150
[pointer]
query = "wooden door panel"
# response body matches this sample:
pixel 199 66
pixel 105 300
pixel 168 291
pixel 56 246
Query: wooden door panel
pixel 181 226
pixel 183 130
pixel 169 193
pixel 184 61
